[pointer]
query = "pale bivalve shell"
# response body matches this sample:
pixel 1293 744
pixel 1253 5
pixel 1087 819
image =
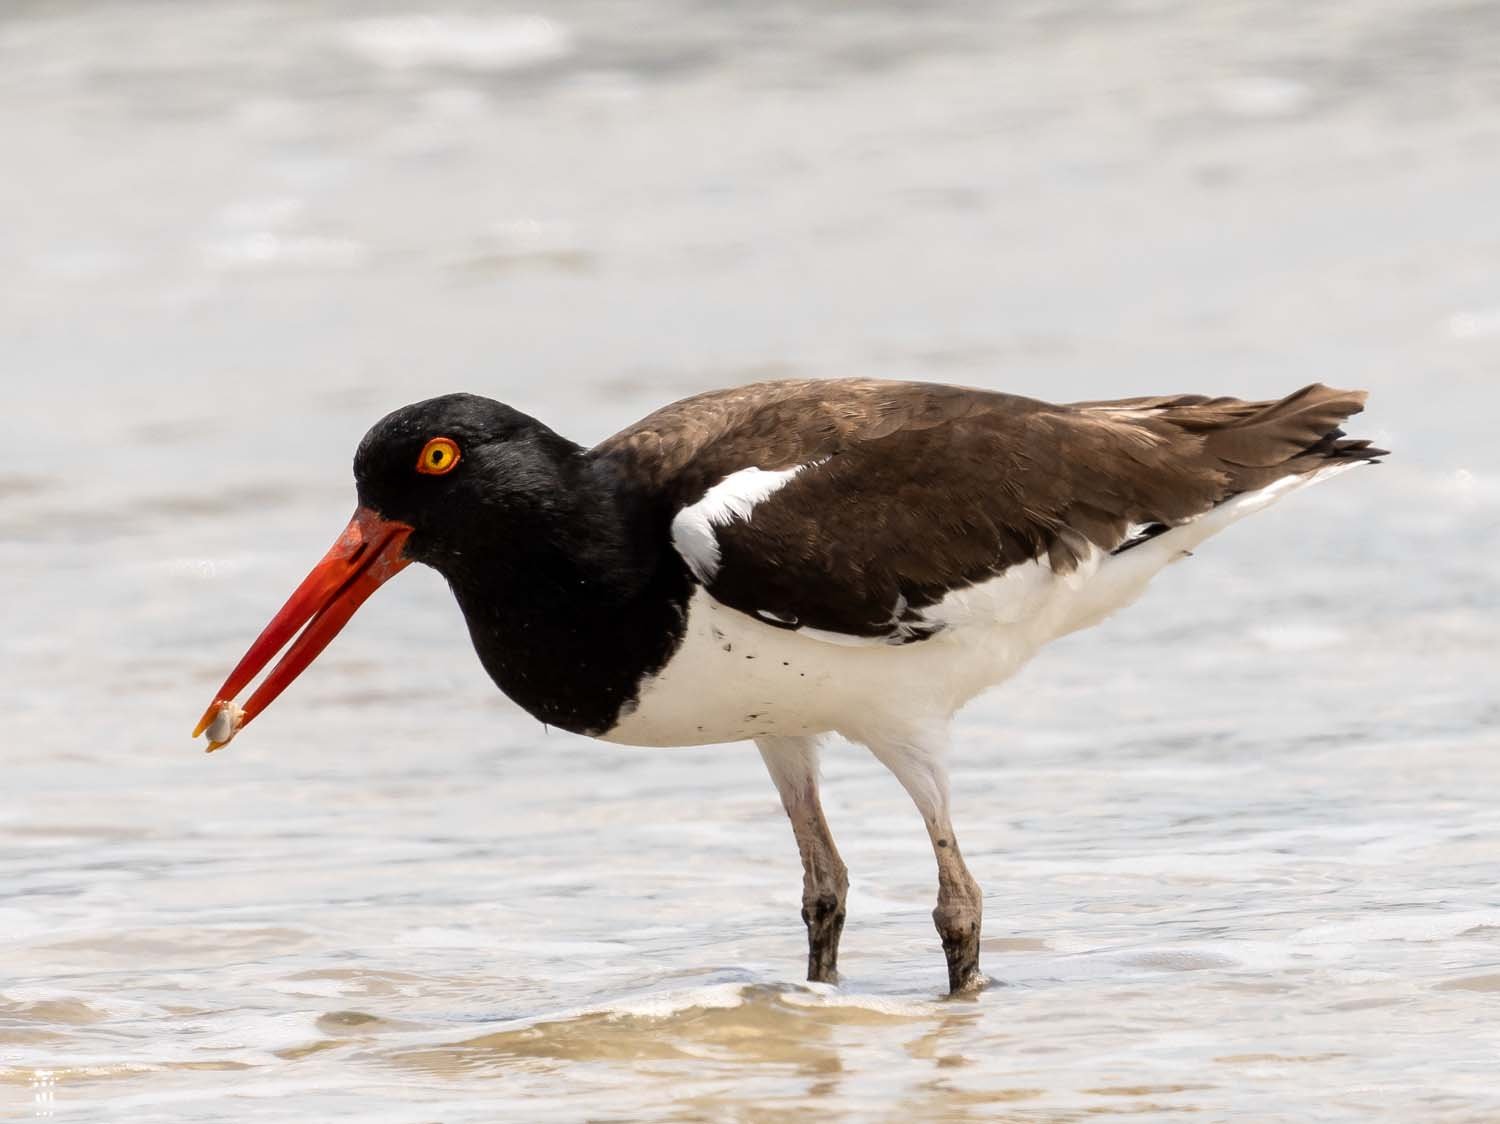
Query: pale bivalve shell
pixel 225 725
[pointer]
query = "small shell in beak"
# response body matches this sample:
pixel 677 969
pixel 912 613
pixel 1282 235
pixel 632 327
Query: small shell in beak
pixel 226 723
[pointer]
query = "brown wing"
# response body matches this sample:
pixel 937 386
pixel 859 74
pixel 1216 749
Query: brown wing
pixel 913 490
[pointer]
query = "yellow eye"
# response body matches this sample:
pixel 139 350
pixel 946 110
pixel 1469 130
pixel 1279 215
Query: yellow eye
pixel 439 455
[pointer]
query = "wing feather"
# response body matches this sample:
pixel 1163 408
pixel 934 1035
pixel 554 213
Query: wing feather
pixel 907 492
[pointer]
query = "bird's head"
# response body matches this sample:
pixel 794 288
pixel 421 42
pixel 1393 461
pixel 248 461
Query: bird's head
pixel 426 475
pixel 436 467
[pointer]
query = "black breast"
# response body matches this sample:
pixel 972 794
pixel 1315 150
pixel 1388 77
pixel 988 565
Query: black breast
pixel 571 611
pixel 577 661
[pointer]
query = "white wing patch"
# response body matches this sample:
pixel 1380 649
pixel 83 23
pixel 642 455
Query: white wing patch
pixel 733 497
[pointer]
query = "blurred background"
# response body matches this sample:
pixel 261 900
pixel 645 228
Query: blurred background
pixel 1239 845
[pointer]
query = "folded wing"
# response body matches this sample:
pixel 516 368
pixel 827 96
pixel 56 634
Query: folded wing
pixel 847 507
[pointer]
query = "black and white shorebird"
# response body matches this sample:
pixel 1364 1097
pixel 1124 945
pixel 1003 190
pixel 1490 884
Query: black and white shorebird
pixel 789 560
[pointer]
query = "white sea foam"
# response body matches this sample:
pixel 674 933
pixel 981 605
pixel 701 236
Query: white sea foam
pixel 827 996
pixel 266 249
pixel 483 43
pixel 1262 96
pixel 1433 926
pixel 1290 637
pixel 1475 324
pixel 709 997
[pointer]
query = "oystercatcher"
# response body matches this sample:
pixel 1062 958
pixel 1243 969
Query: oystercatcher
pixel 787 560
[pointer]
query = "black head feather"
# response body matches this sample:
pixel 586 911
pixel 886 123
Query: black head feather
pixel 512 471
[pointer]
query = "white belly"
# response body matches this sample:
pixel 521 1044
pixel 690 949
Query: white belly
pixel 736 677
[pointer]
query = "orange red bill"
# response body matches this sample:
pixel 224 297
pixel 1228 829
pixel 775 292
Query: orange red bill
pixel 366 555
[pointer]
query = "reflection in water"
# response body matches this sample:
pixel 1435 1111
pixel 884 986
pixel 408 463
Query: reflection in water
pixel 1238 845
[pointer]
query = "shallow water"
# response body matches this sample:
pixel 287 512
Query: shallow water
pixel 1238 845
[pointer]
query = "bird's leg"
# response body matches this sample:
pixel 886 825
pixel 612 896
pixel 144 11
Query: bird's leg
pixel 960 909
pixel 917 761
pixel 793 764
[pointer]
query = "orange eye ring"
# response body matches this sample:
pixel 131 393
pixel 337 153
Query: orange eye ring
pixel 439 457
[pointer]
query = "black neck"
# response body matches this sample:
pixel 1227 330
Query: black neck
pixel 573 600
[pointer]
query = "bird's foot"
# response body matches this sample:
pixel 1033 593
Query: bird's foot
pixel 958 926
pixel 964 976
pixel 824 916
pixel 970 985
